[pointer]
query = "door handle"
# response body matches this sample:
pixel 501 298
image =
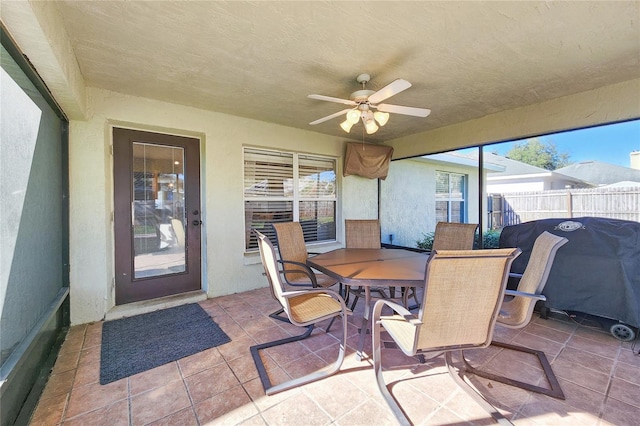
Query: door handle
pixel 196 222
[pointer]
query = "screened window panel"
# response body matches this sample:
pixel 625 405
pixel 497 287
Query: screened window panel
pixel 261 214
pixel 456 186
pixel 442 185
pixel 34 237
pixel 284 187
pixel 317 177
pixel 268 174
pixel 456 213
pixel 450 193
pixel 442 211
pixel 317 219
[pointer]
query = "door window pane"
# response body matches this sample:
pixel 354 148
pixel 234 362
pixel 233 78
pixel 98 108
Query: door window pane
pixel 158 210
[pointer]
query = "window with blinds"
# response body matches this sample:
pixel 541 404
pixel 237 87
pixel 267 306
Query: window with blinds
pixel 284 187
pixel 450 197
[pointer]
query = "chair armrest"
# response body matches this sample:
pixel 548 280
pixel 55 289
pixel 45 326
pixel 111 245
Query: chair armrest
pixel 305 270
pixel 399 309
pixel 523 294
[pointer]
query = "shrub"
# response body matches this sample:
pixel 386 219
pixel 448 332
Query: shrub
pixel 490 239
pixel 426 242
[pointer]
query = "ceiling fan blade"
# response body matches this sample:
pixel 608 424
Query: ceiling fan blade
pixel 331 99
pixel 397 109
pixel 389 90
pixel 329 117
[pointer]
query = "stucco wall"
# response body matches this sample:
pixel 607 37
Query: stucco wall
pixel 361 198
pixel 226 268
pixel 407 199
pixel 406 210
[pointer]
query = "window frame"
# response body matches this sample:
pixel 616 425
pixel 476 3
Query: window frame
pixel 296 198
pixel 448 198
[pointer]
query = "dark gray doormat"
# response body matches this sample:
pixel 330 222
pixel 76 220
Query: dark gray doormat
pixel 142 342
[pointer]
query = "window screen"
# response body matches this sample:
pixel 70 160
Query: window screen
pixel 284 187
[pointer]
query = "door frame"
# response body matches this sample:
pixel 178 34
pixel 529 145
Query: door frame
pixel 123 210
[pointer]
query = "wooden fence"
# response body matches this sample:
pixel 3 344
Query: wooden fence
pixel 518 207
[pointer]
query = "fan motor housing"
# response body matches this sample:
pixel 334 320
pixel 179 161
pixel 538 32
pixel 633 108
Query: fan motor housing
pixel 361 95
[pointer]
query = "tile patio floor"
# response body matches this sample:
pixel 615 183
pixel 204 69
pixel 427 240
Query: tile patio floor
pixel 600 377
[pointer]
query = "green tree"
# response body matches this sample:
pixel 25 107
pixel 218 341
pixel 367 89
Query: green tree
pixel 539 154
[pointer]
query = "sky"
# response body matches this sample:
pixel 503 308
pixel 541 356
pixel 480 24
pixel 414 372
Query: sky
pixel 608 144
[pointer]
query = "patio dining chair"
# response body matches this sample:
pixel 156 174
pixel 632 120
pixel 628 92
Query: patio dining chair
pixel 450 236
pixel 462 296
pixel 517 309
pixel 361 234
pixel 303 308
pixel 454 236
pixel 293 258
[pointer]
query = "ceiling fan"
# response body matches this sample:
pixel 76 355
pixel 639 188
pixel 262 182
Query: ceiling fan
pixel 363 101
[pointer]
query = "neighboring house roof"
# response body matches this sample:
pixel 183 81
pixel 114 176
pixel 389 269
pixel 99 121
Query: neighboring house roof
pixel 598 173
pixel 506 167
pixel 512 167
pixel 461 160
pixel 519 176
pixel 623 184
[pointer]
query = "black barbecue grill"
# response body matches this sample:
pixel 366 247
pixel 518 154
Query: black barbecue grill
pixel 596 273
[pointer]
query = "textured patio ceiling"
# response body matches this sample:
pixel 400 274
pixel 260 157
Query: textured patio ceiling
pixel 261 59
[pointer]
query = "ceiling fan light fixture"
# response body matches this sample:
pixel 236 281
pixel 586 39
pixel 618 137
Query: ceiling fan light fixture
pixel 346 125
pixel 353 116
pixel 361 101
pixel 370 126
pixel 381 117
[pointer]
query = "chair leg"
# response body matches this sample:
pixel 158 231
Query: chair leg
pixel 405 297
pixel 414 293
pixel 330 324
pixel 276 315
pixel 377 368
pixel 270 389
pixel 380 291
pixel 554 390
pixel 458 378
pixel 346 294
pixel 355 300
